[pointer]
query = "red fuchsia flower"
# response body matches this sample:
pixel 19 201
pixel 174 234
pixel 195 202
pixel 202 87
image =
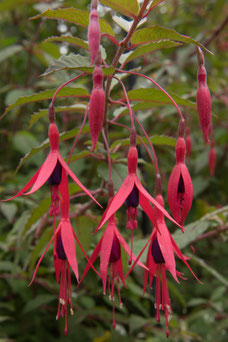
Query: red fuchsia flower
pixel 96 106
pixel 111 267
pixel 212 158
pixel 161 258
pixel 203 98
pixel 64 253
pixel 188 140
pixel 133 193
pixel 51 172
pixel 94 34
pixel 180 190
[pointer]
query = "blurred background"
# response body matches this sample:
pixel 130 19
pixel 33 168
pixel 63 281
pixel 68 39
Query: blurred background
pixel 200 312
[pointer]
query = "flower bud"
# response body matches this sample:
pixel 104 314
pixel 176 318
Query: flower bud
pixel 94 34
pixel 96 106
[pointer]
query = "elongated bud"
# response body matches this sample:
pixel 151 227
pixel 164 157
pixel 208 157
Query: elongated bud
pixel 188 141
pixel 203 98
pixel 212 158
pixel 94 34
pixel 53 134
pixel 96 106
pixel 132 158
pixel 180 150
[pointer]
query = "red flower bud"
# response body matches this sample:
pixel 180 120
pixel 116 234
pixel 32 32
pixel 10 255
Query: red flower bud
pixel 180 190
pixel 212 159
pixel 96 106
pixel 94 34
pixel 132 158
pixel 203 99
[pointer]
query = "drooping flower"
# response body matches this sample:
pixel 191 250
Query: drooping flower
pixel 133 193
pixel 203 98
pixel 96 106
pixel 161 258
pixel 212 158
pixel 51 171
pixel 109 248
pixel 180 190
pixel 94 34
pixel 64 253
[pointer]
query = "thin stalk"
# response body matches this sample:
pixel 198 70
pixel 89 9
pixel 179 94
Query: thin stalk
pixel 78 135
pixel 127 100
pixel 108 154
pixel 158 86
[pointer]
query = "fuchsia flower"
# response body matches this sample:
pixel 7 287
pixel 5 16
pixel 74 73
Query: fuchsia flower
pixel 180 190
pixel 203 98
pixel 64 253
pixel 96 106
pixel 51 171
pixel 161 258
pixel 109 248
pixel 212 158
pixel 133 193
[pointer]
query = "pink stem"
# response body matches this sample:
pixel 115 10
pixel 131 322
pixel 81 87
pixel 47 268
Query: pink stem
pixel 158 86
pixel 78 135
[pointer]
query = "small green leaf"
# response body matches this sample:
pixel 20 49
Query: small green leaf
pixel 9 51
pixel 79 107
pixel 160 140
pixel 46 95
pixel 157 96
pixel 156 3
pixel 144 49
pixel 75 16
pixel 39 300
pixel 69 39
pixel 157 33
pixel 62 137
pixel 126 7
pixel 75 62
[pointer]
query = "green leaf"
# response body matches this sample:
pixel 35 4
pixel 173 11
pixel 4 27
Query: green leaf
pixel 126 7
pixel 69 39
pixel 9 51
pixel 142 50
pixel 9 210
pixel 37 213
pixel 80 107
pixel 39 300
pixel 119 173
pixel 46 95
pixel 211 270
pixel 62 137
pixel 156 3
pixel 83 227
pixel 157 96
pixel 160 140
pixel 157 33
pixel 76 62
pixel 7 266
pixel 75 16
pixel 7 5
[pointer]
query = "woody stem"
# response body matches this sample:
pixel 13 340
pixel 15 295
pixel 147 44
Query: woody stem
pixel 119 52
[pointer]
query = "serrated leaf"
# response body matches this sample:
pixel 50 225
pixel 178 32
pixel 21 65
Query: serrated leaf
pixel 69 39
pixel 75 62
pixel 157 33
pixel 75 16
pixel 46 95
pixel 62 137
pixel 9 51
pixel 161 140
pixel 129 8
pixel 44 112
pixel 142 50
pixel 157 96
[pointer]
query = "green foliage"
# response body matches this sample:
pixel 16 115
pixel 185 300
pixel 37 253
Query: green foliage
pixel 58 50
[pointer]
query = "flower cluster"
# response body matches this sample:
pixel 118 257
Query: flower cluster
pixel 132 195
